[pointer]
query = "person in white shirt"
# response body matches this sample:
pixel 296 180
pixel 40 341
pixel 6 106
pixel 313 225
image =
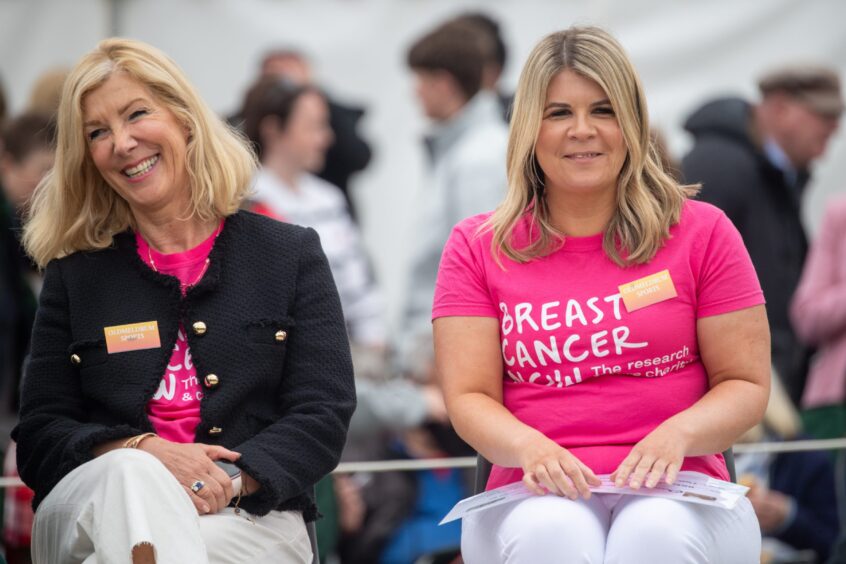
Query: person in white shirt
pixel 467 147
pixel 288 125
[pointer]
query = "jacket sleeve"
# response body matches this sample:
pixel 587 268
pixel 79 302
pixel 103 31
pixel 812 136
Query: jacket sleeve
pixel 317 394
pixel 818 310
pixel 54 435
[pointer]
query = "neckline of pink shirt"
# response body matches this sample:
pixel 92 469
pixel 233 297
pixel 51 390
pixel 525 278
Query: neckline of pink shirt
pixel 166 263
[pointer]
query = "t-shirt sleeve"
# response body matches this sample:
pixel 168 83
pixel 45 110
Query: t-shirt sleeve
pixel 727 280
pixel 462 288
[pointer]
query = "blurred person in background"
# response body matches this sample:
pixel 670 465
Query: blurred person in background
pixel 29 142
pixel 496 55
pixel 28 154
pixel 793 493
pixel 348 152
pixel 46 93
pixel 288 125
pixel 754 161
pixel 466 148
pixel 174 332
pixel 819 316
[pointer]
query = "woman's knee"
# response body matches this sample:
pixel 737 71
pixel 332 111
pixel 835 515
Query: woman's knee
pixel 130 460
pixel 554 529
pixel 663 530
pixel 133 466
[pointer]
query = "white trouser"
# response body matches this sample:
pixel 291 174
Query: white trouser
pixel 611 528
pixel 102 509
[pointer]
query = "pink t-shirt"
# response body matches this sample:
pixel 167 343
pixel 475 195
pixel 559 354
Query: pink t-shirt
pixel 577 365
pixel 174 409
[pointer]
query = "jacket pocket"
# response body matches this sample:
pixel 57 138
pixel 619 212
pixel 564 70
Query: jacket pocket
pixel 270 333
pixel 86 354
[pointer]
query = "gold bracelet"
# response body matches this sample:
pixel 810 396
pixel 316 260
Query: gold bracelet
pixel 133 442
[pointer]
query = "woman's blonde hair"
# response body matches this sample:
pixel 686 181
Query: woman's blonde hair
pixel 74 209
pixel 649 201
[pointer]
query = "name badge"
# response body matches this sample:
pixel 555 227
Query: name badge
pixel 648 290
pixel 132 337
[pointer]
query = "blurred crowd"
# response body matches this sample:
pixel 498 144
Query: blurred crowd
pixel 753 159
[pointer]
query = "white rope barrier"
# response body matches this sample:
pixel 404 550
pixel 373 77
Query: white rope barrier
pixel 791 446
pixel 470 461
pixel 405 465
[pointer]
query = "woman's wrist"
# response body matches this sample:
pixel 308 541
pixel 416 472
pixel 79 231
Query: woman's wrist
pixel 149 443
pixel 249 485
pixel 104 447
pixel 682 431
pixel 533 445
pixel 135 441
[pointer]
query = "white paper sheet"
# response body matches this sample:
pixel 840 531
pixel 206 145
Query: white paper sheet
pixel 690 487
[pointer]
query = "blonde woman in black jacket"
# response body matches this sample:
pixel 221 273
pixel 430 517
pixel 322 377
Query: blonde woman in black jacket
pixel 174 332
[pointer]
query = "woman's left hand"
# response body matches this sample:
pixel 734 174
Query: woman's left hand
pixel 661 452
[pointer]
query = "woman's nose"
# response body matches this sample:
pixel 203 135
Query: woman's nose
pixel 581 126
pixel 124 141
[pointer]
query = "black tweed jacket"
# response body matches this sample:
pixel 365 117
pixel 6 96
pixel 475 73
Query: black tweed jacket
pixel 274 338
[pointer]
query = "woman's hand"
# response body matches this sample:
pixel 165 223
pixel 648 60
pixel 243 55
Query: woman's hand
pixel 195 461
pixel 351 507
pixel 660 452
pixel 549 467
pixel 772 507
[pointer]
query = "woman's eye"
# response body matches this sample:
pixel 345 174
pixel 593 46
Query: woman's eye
pixel 605 110
pixel 137 114
pixel 94 134
pixel 559 113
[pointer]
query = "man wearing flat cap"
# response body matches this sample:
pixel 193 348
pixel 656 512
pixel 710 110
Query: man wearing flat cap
pixel 753 161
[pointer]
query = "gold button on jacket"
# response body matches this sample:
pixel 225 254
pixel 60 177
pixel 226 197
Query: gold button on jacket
pixel 215 431
pixel 211 380
pixel 199 328
pixel 75 359
pixel 281 336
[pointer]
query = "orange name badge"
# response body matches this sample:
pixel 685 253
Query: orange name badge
pixel 648 290
pixel 132 337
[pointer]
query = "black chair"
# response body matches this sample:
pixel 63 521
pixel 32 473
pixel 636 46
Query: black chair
pixel 483 470
pixel 311 528
pixel 728 454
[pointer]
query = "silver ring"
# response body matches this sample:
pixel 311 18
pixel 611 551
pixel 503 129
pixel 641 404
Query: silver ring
pixel 197 486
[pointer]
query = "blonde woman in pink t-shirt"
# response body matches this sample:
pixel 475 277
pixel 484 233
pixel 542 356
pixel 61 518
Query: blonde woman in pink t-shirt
pixel 599 322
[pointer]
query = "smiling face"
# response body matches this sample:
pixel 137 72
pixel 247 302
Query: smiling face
pixel 138 146
pixel 580 145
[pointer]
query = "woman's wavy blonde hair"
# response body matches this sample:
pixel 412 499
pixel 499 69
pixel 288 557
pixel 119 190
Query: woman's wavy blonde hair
pixel 73 208
pixel 649 201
